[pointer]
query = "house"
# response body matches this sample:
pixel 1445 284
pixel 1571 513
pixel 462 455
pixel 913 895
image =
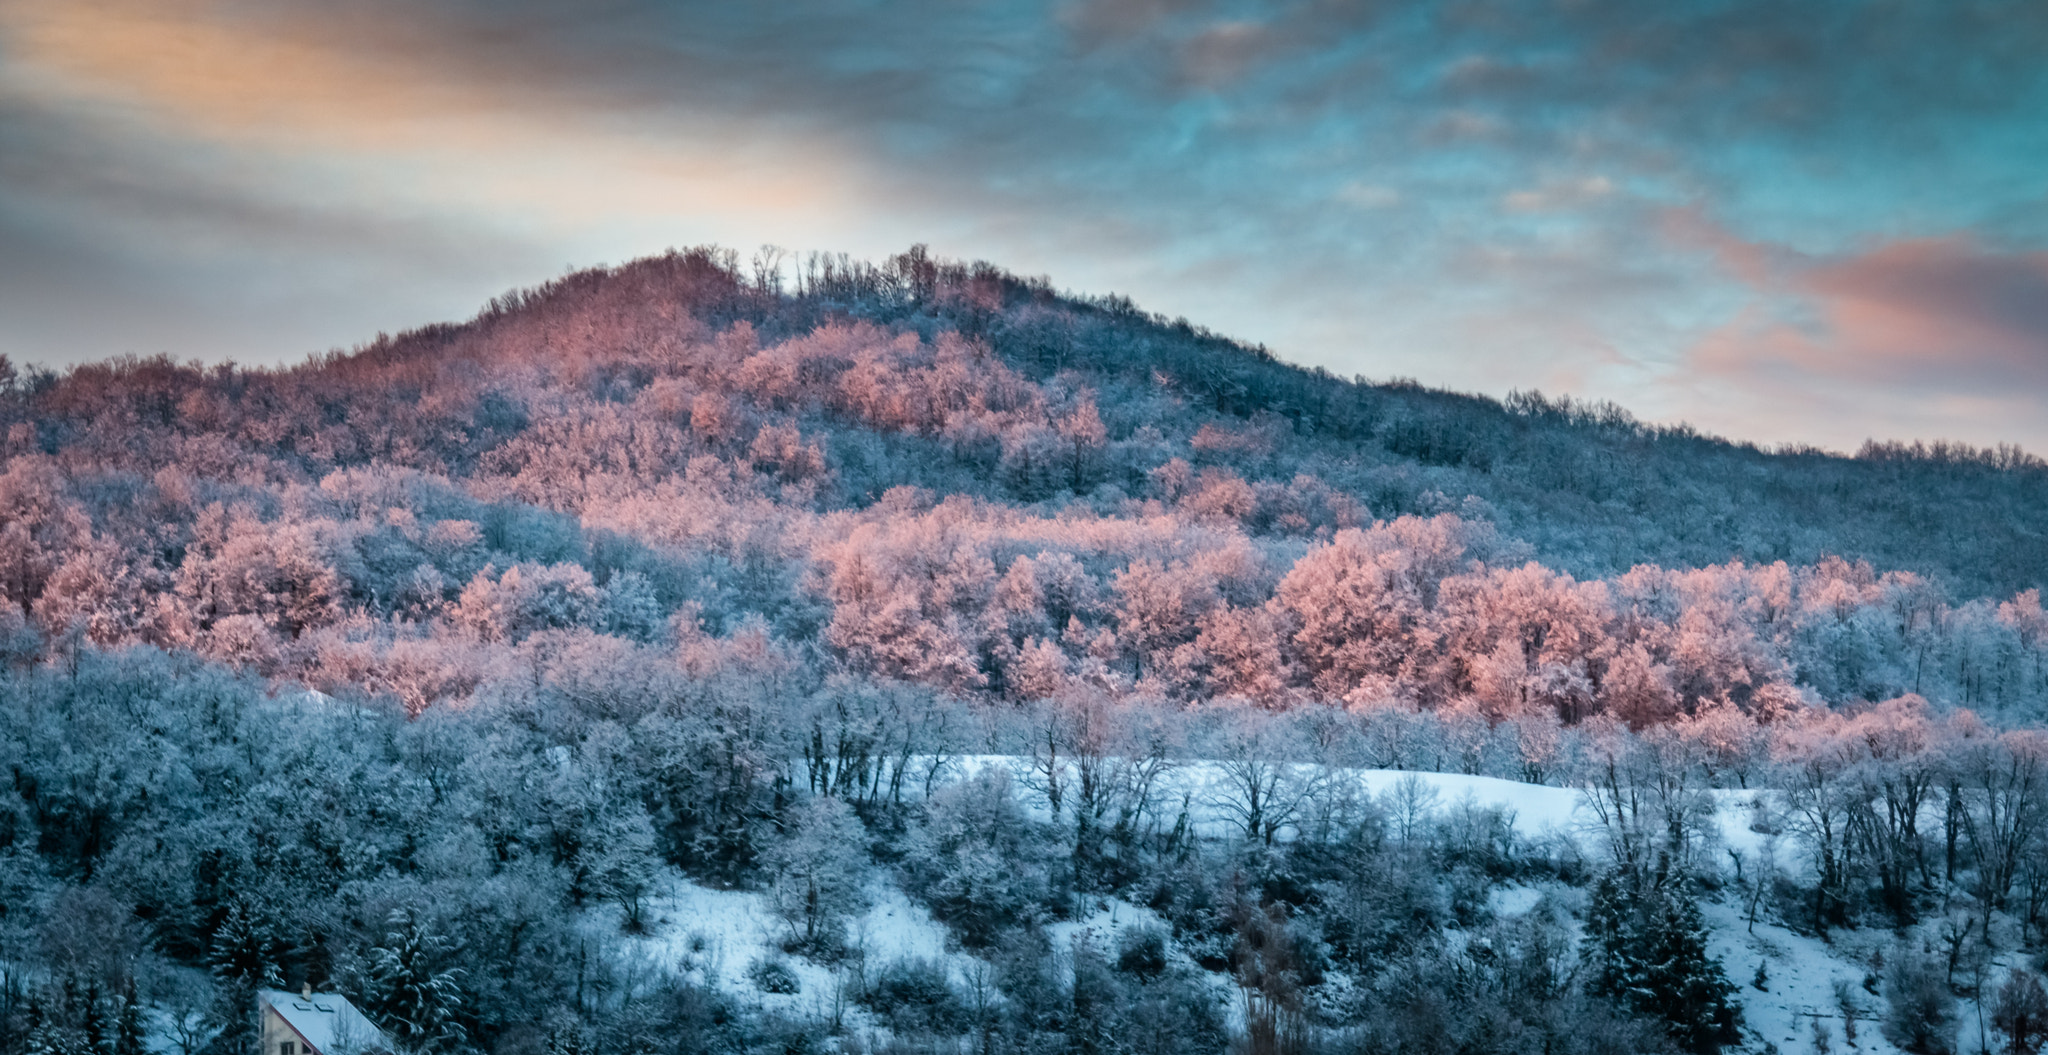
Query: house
pixel 310 1023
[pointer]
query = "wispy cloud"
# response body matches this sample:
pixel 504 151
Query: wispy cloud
pixel 1649 203
pixel 1946 314
pixel 1897 336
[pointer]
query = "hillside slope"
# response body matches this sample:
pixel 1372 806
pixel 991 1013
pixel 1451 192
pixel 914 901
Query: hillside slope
pixel 1594 490
pixel 946 474
pixel 922 658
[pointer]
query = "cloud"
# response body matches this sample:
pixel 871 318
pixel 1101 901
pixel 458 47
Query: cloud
pixel 1557 196
pixel 1638 201
pixel 1947 312
pixel 1946 332
pixel 258 186
pixel 302 80
pixel 1368 195
pixel 1948 286
pixel 1223 52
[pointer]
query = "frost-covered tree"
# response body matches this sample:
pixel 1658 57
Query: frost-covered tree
pixel 1920 1010
pixel 243 958
pixel 414 993
pixel 817 872
pixel 1649 950
pixel 978 860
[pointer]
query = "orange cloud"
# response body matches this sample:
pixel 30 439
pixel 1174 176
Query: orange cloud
pixel 1932 337
pixel 505 128
pixel 242 77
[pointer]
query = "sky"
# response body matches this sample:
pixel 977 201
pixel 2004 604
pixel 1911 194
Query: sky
pixel 1805 223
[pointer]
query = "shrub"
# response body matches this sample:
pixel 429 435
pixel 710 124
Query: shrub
pixel 915 996
pixel 2020 1011
pixel 774 976
pixel 1920 1012
pixel 1141 952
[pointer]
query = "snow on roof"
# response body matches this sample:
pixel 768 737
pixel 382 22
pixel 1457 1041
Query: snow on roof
pixel 327 1022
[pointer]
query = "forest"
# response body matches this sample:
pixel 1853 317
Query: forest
pixel 460 671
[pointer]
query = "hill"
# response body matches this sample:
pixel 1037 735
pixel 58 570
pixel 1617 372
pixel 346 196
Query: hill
pixel 946 473
pixel 919 659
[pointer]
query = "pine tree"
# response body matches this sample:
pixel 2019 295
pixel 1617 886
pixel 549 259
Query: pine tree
pixel 59 1028
pixel 93 1016
pixel 42 1036
pixel 1651 946
pixel 243 958
pixel 44 1039
pixel 244 950
pixel 418 1004
pixel 128 1033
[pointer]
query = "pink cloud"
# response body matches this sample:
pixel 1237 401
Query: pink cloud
pixel 1948 313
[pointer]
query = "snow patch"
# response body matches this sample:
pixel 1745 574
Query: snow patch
pixel 714 937
pixel 1112 916
pixel 1205 787
pixel 1513 900
pixel 1801 985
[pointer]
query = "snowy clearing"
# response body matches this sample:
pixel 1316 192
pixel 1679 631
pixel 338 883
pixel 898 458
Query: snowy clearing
pixel 716 936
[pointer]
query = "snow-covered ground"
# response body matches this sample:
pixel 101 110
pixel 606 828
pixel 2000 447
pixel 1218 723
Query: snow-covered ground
pixel 1111 918
pixel 715 936
pixel 1538 809
pixel 1207 788
pixel 1511 901
pixel 1802 976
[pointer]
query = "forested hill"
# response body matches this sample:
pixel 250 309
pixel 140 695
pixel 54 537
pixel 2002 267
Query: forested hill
pixel 702 665
pixel 948 474
pixel 1593 490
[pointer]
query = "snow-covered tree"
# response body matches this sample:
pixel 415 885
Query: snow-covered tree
pixel 817 871
pixel 1649 950
pixel 415 995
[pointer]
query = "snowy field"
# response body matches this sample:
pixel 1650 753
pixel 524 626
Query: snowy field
pixel 1802 976
pixel 1537 810
pixel 716 936
pixel 1207 787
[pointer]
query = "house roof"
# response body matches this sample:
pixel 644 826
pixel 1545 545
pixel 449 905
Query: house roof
pixel 327 1022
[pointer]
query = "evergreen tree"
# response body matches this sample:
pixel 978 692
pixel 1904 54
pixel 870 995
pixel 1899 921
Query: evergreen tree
pixel 1651 949
pixel 47 1039
pixel 417 1003
pixel 128 1033
pixel 244 951
pixel 32 1019
pixel 92 1015
pixel 243 958
pixel 42 1035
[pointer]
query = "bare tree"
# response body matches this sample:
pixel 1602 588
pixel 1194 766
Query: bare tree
pixel 1263 785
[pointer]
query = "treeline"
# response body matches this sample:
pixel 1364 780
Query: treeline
pixel 172 837
pixel 1592 489
pixel 175 840
pixel 391 583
